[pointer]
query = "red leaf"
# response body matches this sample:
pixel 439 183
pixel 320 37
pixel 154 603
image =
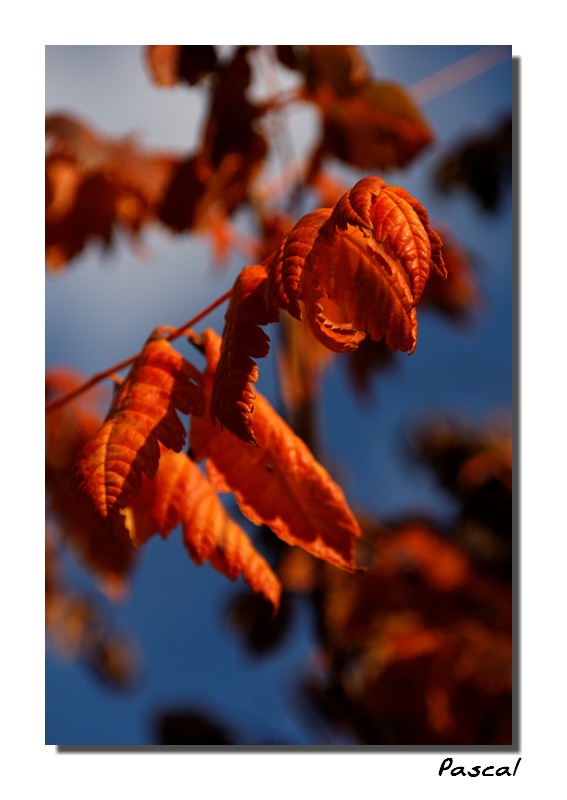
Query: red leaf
pixel 278 483
pixel 378 127
pixel 180 493
pixel 371 255
pixel 96 185
pixel 172 63
pixel 111 464
pixel 233 394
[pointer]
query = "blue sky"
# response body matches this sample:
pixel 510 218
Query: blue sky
pixel 101 310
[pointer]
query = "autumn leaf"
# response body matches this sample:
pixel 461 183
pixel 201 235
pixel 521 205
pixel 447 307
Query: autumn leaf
pixel 77 628
pixel 481 165
pixel 170 64
pixel 95 186
pixel 459 296
pixel 143 414
pixel 232 400
pixel 278 483
pixel 108 558
pixel 362 364
pixel 231 122
pixel 366 123
pixel 72 516
pixel 371 256
pixel 378 127
pixel 180 493
pixel 428 639
pixel 67 428
pixel 336 69
pixel 358 268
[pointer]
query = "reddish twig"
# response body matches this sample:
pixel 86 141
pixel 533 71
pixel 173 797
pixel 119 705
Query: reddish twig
pixel 107 373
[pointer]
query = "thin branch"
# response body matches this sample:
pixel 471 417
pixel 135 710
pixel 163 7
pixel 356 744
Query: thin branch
pixel 458 73
pixel 107 373
pixel 205 312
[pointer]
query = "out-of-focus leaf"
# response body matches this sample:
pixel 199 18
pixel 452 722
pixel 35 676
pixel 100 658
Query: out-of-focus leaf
pixel 368 358
pixel 170 64
pixel 178 208
pixel 256 623
pixel 78 630
pixel 67 428
pixel 231 122
pixel 94 186
pixel 475 465
pixel 378 128
pixel 458 296
pixel 482 165
pixel 336 69
pixel 109 559
pixel 302 360
pixel 370 124
pixel 108 556
pixel 190 727
pixel 418 650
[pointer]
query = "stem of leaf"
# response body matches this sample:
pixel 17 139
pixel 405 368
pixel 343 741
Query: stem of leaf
pixel 107 373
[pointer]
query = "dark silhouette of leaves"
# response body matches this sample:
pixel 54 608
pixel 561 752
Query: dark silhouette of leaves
pixel 190 727
pixel 170 64
pixel 481 164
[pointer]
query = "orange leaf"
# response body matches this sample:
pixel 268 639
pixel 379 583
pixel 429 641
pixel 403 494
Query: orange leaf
pixel 109 558
pixel 232 400
pixel 279 483
pixel 67 428
pixel 459 296
pixel 371 255
pixel 94 186
pixel 376 127
pixel 180 493
pixel 172 63
pixel 111 464
pixel 284 287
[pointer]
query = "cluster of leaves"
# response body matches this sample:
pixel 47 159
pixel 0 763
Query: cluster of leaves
pixel 96 186
pixel 76 624
pixel 368 260
pixel 418 649
pixel 343 280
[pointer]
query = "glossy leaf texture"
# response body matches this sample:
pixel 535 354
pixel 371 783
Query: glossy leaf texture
pixel 144 413
pixel 180 493
pixel 278 483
